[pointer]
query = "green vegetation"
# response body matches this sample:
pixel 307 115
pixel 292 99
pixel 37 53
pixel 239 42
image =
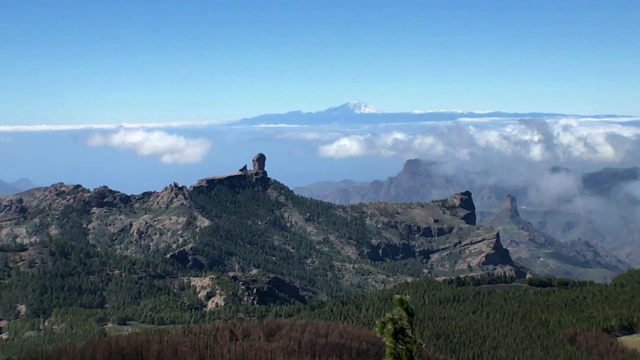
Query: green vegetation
pixel 487 318
pixel 397 331
pixel 72 288
pixel 501 321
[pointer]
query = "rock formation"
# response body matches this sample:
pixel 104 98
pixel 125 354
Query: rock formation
pixel 510 204
pixel 259 162
pixel 259 171
pixel 12 209
pixel 257 174
pixel 464 200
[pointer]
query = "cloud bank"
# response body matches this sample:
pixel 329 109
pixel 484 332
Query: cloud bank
pixel 530 139
pixel 170 148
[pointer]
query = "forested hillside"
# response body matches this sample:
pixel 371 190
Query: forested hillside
pixel 79 265
pixel 472 318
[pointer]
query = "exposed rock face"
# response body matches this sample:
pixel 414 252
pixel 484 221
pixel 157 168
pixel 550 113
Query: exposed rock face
pixel 104 197
pixel 510 204
pixel 258 174
pixel 253 226
pixel 418 181
pixel 442 235
pixel 12 209
pixel 259 162
pixel 464 201
pixel 185 257
pixel 543 254
pixel 259 171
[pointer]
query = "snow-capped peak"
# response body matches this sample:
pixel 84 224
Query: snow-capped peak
pixel 360 107
pixel 354 107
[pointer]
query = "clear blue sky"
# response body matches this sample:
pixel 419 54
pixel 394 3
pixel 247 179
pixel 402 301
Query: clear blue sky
pixel 146 61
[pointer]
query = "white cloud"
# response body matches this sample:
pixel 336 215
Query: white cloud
pixel 170 148
pixel 552 140
pixel 350 146
pixel 72 127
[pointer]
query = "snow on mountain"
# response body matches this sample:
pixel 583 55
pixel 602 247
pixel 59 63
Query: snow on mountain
pixel 359 112
pixel 353 107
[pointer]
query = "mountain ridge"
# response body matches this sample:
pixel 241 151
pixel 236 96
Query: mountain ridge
pixel 249 239
pixel 420 180
pixel 360 112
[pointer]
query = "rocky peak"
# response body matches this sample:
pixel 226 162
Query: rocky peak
pixel 171 195
pixel 257 174
pixel 417 167
pixel 464 200
pixel 103 196
pixel 510 204
pixel 259 162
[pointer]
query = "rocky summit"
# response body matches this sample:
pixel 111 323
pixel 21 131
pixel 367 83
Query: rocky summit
pixel 246 238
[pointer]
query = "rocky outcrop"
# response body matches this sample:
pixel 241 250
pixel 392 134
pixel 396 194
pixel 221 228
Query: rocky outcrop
pixel 510 204
pixel 103 197
pixel 258 175
pixel 187 258
pixel 259 162
pixel 258 288
pixel 442 235
pixel 464 201
pixel 171 196
pixel 380 251
pixel 12 209
pixel 545 255
pixel 496 254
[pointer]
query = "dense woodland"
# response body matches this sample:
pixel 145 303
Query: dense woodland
pixel 72 291
pixel 490 318
pixel 265 340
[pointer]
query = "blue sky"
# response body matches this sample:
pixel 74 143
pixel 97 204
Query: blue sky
pixel 72 62
pixel 65 65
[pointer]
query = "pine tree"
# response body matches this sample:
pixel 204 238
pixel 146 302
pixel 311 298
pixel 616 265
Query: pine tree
pixel 397 331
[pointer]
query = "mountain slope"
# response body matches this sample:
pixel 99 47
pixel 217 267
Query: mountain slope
pixel 245 238
pixel 417 181
pixel 579 214
pixel 359 112
pixel 545 255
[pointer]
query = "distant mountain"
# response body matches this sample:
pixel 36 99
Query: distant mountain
pixel 599 211
pixel 352 107
pixel 603 182
pixel 417 181
pixel 543 254
pixel 16 186
pixel 359 112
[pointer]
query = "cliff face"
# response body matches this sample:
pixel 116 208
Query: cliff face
pixel 600 207
pixel 246 222
pixel 543 254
